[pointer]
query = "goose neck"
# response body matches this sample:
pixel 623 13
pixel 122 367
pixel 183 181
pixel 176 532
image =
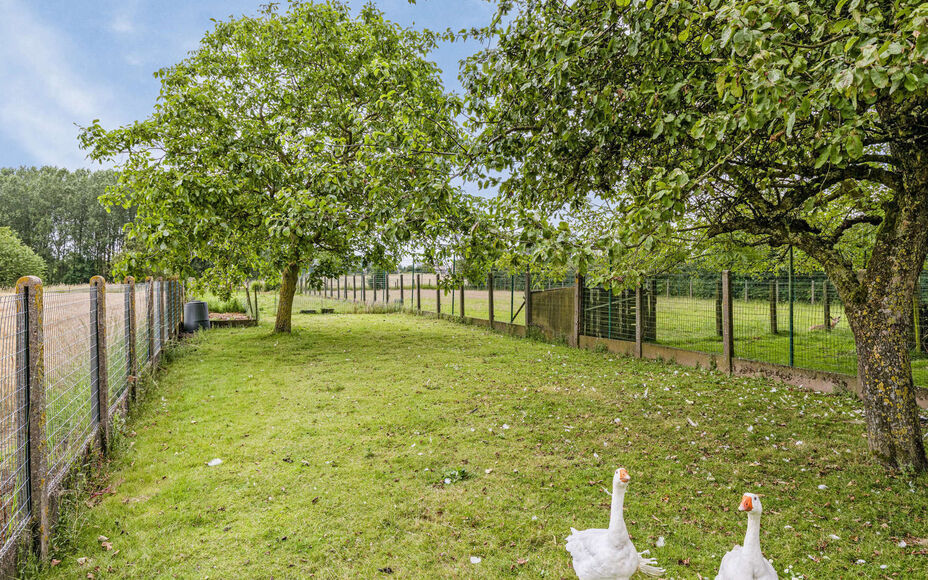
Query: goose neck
pixel 616 517
pixel 752 536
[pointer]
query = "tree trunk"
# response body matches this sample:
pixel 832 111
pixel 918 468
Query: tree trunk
pixel 288 279
pixel 881 329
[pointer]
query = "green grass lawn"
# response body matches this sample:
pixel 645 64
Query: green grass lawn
pixel 363 443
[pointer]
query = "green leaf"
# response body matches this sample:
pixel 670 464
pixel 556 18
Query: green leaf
pixel 855 147
pixel 879 78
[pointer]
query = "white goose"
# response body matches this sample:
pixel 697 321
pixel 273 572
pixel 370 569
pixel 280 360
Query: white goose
pixel 746 562
pixel 609 554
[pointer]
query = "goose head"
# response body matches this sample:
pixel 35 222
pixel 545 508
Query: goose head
pixel 620 479
pixel 750 503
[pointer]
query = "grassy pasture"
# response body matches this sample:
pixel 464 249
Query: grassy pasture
pixel 690 323
pixel 380 445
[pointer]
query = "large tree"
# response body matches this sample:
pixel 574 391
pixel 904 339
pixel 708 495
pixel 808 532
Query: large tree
pixel 305 140
pixel 768 122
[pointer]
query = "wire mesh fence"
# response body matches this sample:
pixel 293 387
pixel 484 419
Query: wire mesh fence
pixel 68 377
pixel 609 314
pixel 117 348
pixel 14 481
pixel 142 332
pixel 158 313
pixel 55 342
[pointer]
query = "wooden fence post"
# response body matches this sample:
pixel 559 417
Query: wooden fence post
pixel 131 336
pixel 419 292
pixel 31 417
pixel 437 295
pixel 773 307
pixel 386 288
pixel 639 320
pixel 490 296
pixel 728 330
pixel 402 292
pixel 354 287
pixel 99 368
pixel 528 299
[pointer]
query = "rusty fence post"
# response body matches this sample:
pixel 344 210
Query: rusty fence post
pixel 32 461
pixel 98 364
pixel 728 330
pixel 132 370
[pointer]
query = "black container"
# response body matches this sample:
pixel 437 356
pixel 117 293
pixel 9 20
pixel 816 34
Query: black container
pixel 196 315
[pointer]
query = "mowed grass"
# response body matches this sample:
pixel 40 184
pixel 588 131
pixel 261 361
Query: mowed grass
pixel 391 445
pixel 690 323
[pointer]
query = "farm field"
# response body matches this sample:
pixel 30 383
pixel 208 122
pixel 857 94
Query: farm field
pixel 375 444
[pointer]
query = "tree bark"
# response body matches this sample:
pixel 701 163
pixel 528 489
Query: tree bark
pixel 881 329
pixel 288 281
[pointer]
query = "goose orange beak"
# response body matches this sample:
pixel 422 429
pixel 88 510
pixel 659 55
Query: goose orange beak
pixel 623 475
pixel 746 504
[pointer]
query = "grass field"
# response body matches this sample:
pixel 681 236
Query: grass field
pixel 690 323
pixel 365 446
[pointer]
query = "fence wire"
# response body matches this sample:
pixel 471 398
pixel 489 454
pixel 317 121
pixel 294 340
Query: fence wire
pixel 117 347
pixel 157 324
pixel 683 311
pixel 14 479
pixel 141 320
pixel 68 377
pixel 609 314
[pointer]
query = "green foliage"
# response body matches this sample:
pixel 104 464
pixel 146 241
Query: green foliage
pixel 17 259
pixel 310 138
pixel 219 306
pixel 56 212
pixel 667 131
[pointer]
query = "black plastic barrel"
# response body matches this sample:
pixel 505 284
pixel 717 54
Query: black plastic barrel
pixel 196 315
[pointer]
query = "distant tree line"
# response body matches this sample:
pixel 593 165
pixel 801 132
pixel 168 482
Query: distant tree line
pixel 55 212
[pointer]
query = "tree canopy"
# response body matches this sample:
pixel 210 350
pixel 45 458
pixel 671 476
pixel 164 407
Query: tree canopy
pixel 56 212
pixel 655 129
pixel 17 259
pixel 309 139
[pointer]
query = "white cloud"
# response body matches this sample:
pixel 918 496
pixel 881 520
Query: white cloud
pixel 42 97
pixel 122 24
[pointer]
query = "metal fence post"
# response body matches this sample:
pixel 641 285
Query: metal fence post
pixel 99 367
pixel 133 361
pixel 490 296
pixel 639 321
pixel 528 299
pixel 30 373
pixel 579 283
pixel 462 298
pixel 728 330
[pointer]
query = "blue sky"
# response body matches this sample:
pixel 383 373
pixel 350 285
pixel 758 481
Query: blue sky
pixel 66 62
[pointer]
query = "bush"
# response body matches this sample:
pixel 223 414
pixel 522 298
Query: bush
pixel 17 259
